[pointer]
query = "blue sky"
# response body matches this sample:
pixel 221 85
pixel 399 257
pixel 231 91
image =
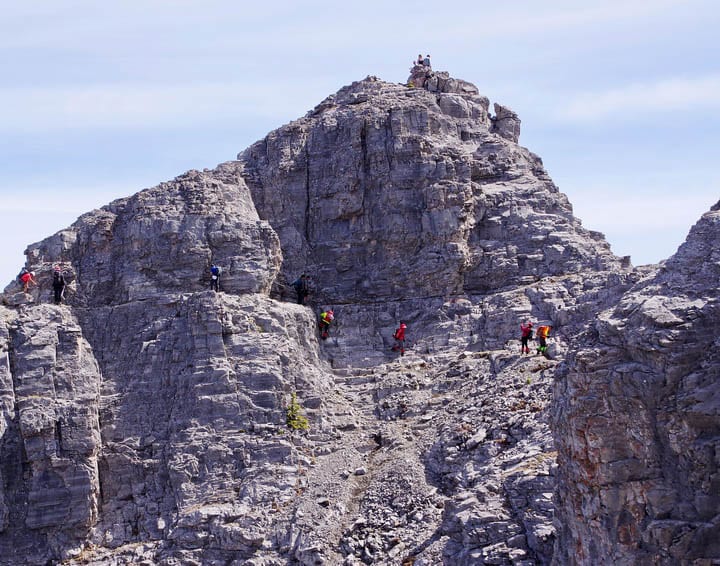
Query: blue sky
pixel 621 99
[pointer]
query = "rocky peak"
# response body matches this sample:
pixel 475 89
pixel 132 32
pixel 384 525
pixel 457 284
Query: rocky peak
pixel 145 420
pixel 163 240
pixel 386 189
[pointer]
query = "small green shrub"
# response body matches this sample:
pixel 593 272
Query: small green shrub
pixel 296 420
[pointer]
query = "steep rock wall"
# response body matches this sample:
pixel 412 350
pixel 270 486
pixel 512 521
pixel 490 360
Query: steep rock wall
pixel 165 437
pixel 638 420
pixel 163 240
pixel 385 192
pixel 51 442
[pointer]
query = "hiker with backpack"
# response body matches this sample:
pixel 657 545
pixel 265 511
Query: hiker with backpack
pixel 326 317
pixel 542 334
pixel 400 339
pixel 215 271
pixel 302 288
pixel 27 278
pixel 58 284
pixel 526 334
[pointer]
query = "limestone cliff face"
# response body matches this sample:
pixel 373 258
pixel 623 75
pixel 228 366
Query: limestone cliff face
pixel 638 420
pixel 164 240
pixel 144 421
pixel 176 410
pixel 49 428
pixel 384 191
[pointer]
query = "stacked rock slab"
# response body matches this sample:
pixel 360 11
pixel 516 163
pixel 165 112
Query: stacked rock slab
pixel 638 420
pixel 50 433
pixel 161 436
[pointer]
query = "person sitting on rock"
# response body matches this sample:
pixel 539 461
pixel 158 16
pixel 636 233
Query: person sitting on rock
pixel 215 271
pixel 28 279
pixel 542 334
pixel 426 62
pixel 302 288
pixel 58 285
pixel 400 339
pixel 526 333
pixel 419 60
pixel 326 317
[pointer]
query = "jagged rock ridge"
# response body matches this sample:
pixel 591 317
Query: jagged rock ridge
pixel 638 420
pixel 162 427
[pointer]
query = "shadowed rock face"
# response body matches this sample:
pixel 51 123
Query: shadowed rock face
pixel 144 421
pixel 638 420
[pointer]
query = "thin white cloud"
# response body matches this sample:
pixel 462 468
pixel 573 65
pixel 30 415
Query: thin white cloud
pixel 127 106
pixel 534 19
pixel 632 213
pixel 60 199
pixel 643 98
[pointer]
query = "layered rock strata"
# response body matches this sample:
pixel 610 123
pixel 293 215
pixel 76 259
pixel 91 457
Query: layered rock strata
pixel 145 420
pixel 638 420
pixel 383 191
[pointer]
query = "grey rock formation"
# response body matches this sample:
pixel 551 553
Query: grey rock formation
pixel 506 123
pixel 164 240
pixel 144 421
pixel 392 189
pixel 50 432
pixel 638 420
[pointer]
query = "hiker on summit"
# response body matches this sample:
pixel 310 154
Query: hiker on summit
pixel 426 62
pixel 27 279
pixel 400 339
pixel 302 288
pixel 542 334
pixel 58 284
pixel 215 271
pixel 326 317
pixel 419 60
pixel 526 333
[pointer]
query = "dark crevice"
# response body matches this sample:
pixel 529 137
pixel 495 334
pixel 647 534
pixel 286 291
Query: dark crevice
pixel 307 195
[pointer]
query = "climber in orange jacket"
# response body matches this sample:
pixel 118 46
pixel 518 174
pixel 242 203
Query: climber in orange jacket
pixel 542 334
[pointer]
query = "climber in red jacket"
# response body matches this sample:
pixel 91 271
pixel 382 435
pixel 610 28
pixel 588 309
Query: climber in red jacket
pixel 400 339
pixel 28 279
pixel 526 333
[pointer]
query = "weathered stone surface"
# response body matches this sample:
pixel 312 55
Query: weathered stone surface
pixel 391 190
pixel 163 240
pixel 7 408
pixel 506 123
pixel 638 420
pixel 50 433
pixel 145 421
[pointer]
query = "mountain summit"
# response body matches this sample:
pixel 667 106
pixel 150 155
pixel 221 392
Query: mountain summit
pixel 152 420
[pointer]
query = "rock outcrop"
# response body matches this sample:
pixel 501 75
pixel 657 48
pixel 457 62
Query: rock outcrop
pixel 389 189
pixel 638 420
pixel 144 421
pixel 398 199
